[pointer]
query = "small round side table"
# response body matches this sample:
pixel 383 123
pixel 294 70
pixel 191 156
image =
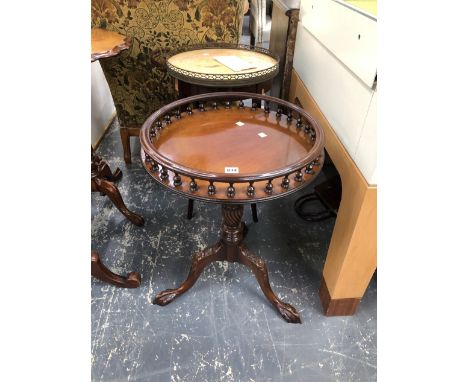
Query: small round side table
pixel 197 70
pixel 222 151
pixel 104 44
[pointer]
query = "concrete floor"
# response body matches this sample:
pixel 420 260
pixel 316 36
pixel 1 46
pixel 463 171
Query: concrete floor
pixel 223 329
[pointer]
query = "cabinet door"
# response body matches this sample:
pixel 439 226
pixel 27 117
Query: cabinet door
pixel 366 152
pixel 341 96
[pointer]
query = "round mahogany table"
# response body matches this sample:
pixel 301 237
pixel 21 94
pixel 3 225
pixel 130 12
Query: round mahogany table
pixel 105 44
pixel 197 68
pixel 222 151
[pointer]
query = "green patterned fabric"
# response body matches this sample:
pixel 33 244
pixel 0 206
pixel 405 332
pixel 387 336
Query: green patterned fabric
pixel 137 77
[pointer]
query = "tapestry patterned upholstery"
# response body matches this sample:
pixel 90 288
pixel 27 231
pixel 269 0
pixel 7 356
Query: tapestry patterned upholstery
pixel 137 77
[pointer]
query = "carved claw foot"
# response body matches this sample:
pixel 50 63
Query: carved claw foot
pixel 165 297
pixel 199 261
pixel 259 268
pixel 288 312
pixel 135 219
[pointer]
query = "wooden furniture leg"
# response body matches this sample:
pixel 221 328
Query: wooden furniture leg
pixel 253 207
pixel 199 262
pixel 125 138
pixel 125 134
pixel 230 248
pixel 101 180
pixel 351 259
pixel 190 209
pixel 113 193
pixel 259 268
pixel 352 254
pixel 101 272
pixel 102 169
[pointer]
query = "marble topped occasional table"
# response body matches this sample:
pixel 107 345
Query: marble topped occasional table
pixel 197 70
pixel 225 152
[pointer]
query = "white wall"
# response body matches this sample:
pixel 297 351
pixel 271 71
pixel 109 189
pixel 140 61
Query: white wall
pixel 102 105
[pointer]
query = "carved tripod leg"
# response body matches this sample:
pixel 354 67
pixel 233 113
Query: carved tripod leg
pixel 114 194
pixel 199 262
pixel 100 271
pixel 106 173
pixel 102 169
pixel 259 268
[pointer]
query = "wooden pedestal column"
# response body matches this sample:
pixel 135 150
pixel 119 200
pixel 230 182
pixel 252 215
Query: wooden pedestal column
pixel 352 255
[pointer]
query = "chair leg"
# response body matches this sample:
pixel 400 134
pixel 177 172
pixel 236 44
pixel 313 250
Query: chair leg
pixel 252 39
pixel 125 137
pixel 253 207
pixel 190 209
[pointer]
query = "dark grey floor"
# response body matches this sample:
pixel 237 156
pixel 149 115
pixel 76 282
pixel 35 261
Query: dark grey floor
pixel 223 329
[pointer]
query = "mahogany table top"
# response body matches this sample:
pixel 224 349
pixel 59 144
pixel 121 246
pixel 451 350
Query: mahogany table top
pixel 250 141
pixel 105 43
pixel 232 148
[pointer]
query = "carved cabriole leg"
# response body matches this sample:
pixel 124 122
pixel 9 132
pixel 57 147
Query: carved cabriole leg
pixel 106 173
pixel 199 262
pixel 230 248
pixel 113 193
pixel 100 271
pixel 102 169
pixel 259 268
pixel 232 236
pixel 125 137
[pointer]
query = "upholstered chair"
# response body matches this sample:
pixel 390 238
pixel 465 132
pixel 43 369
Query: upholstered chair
pixel 137 78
